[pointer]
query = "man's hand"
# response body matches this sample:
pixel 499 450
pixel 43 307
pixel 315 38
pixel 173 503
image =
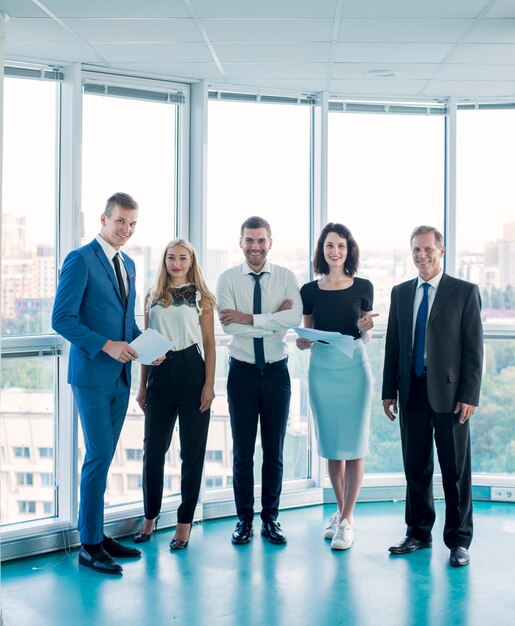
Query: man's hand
pixel 465 410
pixel 285 305
pixel 159 360
pixel 231 316
pixel 303 343
pixel 390 409
pixel 120 351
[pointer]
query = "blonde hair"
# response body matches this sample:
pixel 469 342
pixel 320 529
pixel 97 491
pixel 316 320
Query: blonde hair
pixel 160 292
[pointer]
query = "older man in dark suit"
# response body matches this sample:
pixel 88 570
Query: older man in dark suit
pixel 433 364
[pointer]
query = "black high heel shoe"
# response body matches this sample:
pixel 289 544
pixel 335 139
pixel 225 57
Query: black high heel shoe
pixel 141 537
pixel 180 544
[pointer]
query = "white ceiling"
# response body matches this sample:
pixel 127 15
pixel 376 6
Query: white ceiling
pixel 434 48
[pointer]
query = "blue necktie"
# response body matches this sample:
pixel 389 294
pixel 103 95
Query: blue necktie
pixel 420 333
pixel 259 349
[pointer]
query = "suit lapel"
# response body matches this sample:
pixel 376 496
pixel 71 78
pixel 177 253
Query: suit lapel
pixel 407 297
pixel 104 261
pixel 443 293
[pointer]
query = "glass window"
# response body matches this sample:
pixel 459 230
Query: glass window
pixel 26 507
pixel 27 415
pixel 214 456
pixel 24 478
pixel 134 481
pixel 493 441
pixel 485 252
pixel 21 452
pixel 130 145
pixel 46 453
pixel 46 479
pixel 385 177
pixel 258 164
pixel 134 454
pixel 28 205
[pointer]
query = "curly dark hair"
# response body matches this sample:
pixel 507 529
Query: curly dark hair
pixel 351 264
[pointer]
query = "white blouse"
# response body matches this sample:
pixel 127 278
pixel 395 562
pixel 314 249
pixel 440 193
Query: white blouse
pixel 179 322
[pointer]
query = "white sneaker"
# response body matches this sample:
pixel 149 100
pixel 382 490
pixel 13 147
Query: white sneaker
pixel 343 537
pixel 332 525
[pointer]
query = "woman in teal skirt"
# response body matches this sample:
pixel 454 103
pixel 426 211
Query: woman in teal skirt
pixel 340 386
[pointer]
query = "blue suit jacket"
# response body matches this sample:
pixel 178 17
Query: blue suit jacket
pixel 88 310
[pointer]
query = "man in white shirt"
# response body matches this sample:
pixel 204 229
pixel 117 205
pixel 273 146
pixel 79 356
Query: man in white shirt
pixel 258 302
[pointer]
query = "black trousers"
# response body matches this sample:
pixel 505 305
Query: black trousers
pixel 419 424
pixel 174 389
pixel 254 395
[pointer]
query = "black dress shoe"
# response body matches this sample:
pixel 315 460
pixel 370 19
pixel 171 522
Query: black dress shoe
pixel 273 532
pixel 410 544
pixel 459 557
pixel 114 548
pixel 242 533
pixel 100 562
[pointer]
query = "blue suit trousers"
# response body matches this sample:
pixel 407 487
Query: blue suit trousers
pixel 102 412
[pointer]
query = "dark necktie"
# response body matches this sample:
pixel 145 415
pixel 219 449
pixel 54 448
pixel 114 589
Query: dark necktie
pixel 420 333
pixel 259 349
pixel 119 277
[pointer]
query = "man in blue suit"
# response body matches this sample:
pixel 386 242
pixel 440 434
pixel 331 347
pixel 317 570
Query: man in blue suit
pixel 94 311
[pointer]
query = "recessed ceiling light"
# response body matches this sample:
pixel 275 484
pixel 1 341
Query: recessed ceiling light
pixel 382 73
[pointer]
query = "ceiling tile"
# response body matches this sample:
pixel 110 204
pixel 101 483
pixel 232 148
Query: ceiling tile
pixel 265 8
pixel 407 71
pixel 392 52
pixel 492 31
pixel 276 70
pixel 33 30
pixel 270 53
pixel 459 71
pixel 148 52
pixel 136 30
pixel 56 53
pixel 472 89
pixel 402 30
pixel 117 8
pixel 483 53
pixel 20 8
pixel 413 8
pixel 376 88
pixel 247 30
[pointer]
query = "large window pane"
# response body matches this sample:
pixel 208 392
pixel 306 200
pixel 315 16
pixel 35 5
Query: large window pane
pixel 28 205
pixel 385 176
pixel 258 164
pixel 493 424
pixel 28 427
pixel 485 213
pixel 131 145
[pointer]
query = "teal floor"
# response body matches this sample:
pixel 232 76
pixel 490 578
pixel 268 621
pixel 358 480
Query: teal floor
pixel 302 583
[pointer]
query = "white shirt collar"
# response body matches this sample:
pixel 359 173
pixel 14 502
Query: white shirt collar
pixel 246 269
pixel 434 282
pixel 107 247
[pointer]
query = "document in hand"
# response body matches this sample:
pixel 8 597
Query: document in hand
pixel 151 345
pixel 344 343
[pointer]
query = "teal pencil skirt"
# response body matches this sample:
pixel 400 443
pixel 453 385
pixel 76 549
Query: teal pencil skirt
pixel 340 391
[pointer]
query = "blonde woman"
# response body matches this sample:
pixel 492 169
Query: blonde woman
pixel 180 307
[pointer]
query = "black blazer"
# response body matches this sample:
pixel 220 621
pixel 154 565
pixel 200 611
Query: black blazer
pixel 454 345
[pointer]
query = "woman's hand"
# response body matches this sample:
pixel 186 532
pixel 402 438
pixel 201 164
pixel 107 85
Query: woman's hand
pixel 303 343
pixel 141 398
pixel 366 322
pixel 206 398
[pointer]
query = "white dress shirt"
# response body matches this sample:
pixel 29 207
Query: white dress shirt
pixel 110 253
pixel 235 290
pixel 433 286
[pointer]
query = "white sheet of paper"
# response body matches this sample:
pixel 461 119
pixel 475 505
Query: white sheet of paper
pixel 151 345
pixel 344 343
